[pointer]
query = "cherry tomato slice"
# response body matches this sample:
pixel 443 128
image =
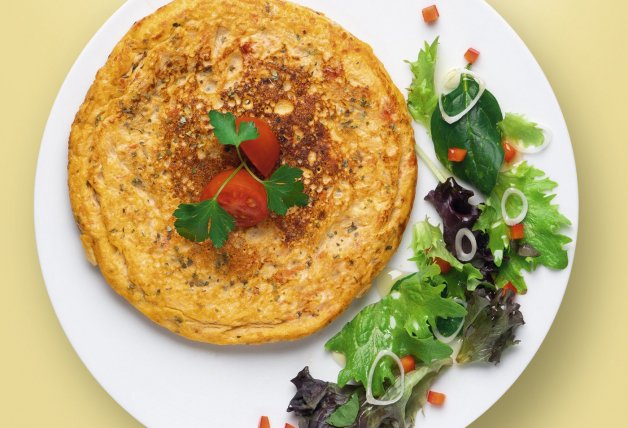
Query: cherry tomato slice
pixel 243 197
pixel 264 151
pixel 407 363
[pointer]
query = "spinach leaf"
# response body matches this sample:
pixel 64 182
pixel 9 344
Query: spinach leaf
pixel 476 132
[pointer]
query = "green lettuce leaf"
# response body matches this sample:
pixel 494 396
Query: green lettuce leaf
pixel 422 98
pixel 517 128
pixel 428 243
pixel 400 322
pixel 542 224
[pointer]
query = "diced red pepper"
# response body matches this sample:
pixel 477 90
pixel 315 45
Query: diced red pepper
pixel 408 363
pixel 430 14
pixel 509 152
pixel 435 398
pixel 517 231
pixel 471 55
pixel 510 287
pixel 264 422
pixel 442 264
pixel 456 154
pixel 288 425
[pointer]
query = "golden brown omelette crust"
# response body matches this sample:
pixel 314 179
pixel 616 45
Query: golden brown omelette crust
pixel 141 144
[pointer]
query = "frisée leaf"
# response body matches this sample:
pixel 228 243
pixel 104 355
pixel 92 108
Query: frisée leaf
pixel 542 223
pixel 422 98
pixel 517 128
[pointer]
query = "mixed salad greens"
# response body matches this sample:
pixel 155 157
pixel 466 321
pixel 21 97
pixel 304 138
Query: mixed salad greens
pixel 462 296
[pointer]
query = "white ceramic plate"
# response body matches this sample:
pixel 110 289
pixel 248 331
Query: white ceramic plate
pixel 166 381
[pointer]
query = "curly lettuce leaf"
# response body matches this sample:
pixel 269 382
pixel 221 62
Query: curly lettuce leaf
pixel 400 322
pixel 422 98
pixel 542 224
pixel 427 244
pixel 489 327
pixel 516 127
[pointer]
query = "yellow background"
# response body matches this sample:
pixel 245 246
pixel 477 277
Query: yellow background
pixel 579 378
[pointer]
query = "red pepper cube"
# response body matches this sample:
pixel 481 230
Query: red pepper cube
pixel 471 55
pixel 509 152
pixel 509 286
pixel 456 155
pixel 264 422
pixel 517 231
pixel 430 14
pixel 407 363
pixel 442 264
pixel 435 398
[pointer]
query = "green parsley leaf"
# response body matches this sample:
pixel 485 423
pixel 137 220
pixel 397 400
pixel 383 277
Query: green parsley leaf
pixel 225 129
pixel 428 243
pixel 400 322
pixel 517 128
pixel 284 191
pixel 346 414
pixel 193 219
pixel 422 98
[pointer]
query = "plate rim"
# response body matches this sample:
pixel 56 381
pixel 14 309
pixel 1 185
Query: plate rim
pixel 48 130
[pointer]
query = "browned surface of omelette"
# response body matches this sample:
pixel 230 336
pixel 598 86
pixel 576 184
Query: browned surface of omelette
pixel 141 144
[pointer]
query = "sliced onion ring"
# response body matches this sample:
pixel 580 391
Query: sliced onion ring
pixel 456 118
pixel 369 384
pixel 460 254
pixel 511 221
pixel 530 150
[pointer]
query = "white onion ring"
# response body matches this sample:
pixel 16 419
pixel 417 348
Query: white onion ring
pixel 474 101
pixel 460 254
pixel 511 221
pixel 531 150
pixel 369 384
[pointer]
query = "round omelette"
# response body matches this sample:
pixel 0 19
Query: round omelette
pixel 141 144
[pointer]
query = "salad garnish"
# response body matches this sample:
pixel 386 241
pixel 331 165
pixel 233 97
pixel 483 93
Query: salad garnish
pixel 469 273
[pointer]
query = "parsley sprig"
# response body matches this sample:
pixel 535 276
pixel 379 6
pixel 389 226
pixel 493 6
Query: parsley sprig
pixel 207 219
